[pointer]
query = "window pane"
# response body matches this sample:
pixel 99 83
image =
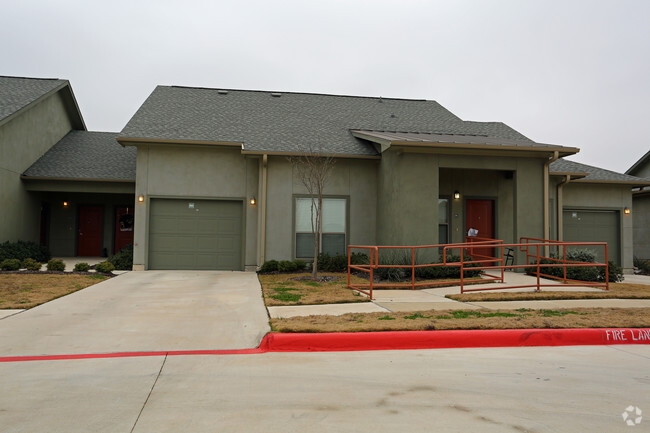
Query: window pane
pixel 334 215
pixel 443 210
pixel 333 244
pixel 303 215
pixel 304 245
pixel 442 234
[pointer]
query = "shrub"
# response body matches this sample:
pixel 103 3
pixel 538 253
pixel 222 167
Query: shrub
pixel 31 265
pixel 22 250
pixel 286 266
pixel 582 273
pixel 104 267
pixel 642 265
pixel 359 259
pixel 82 267
pixel 123 260
pixel 449 272
pixel 337 263
pixel 615 273
pixel 269 266
pixel 56 265
pixel 10 265
pixel 300 264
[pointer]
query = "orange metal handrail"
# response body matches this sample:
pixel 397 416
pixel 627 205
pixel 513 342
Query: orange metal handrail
pixel 482 263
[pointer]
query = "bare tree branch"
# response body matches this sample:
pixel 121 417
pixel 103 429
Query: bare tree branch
pixel 313 171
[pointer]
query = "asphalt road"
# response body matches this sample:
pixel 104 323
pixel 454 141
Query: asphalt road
pixel 535 389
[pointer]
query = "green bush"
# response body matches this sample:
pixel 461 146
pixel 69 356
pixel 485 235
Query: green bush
pixel 10 265
pixel 300 264
pixel 337 263
pixel 31 265
pixel 642 265
pixel 123 260
pixel 81 267
pixel 55 265
pixel 359 259
pixel 581 273
pixel 104 267
pixel 449 272
pixel 287 266
pixel 615 273
pixel 22 250
pixel 269 266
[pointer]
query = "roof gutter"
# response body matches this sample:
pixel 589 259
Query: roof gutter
pixel 547 229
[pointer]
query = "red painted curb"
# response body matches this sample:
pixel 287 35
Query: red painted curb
pixel 400 340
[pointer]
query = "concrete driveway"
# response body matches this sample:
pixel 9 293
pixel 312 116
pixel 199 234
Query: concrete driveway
pixel 144 311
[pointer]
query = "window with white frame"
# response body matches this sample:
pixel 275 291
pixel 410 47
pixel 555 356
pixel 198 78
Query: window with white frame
pixel 333 237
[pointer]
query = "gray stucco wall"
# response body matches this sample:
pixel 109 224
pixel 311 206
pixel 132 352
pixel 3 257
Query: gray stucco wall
pixel 186 171
pixel 410 184
pixel 641 220
pixel 355 179
pixel 606 197
pixel 22 141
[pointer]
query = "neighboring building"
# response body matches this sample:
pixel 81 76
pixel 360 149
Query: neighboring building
pixel 641 214
pixel 200 179
pixel 592 208
pixel 60 185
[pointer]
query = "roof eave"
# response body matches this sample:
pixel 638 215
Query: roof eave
pixel 133 141
pixel 631 183
pixel 640 162
pixel 72 107
pixel 75 179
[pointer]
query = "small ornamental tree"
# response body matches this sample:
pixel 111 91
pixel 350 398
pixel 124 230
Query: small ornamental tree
pixel 313 170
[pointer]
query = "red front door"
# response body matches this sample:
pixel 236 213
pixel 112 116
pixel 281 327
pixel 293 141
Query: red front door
pixel 480 216
pixel 123 227
pixel 90 231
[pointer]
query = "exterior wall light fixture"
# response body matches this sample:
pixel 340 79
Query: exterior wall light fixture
pixel 140 198
pixel 627 211
pixel 65 204
pixel 456 195
pixel 252 201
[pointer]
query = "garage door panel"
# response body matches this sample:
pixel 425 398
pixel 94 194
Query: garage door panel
pixel 594 226
pixel 195 234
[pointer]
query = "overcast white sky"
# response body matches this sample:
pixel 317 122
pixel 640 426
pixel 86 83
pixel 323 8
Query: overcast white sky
pixel 568 72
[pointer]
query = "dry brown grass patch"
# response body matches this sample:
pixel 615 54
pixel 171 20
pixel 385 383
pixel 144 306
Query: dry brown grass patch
pixel 29 290
pixel 469 319
pixel 616 291
pixel 285 289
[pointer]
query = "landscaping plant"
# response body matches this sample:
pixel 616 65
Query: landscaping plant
pixel 123 260
pixel 22 250
pixel 104 267
pixel 10 265
pixel 81 267
pixel 31 265
pixel 56 265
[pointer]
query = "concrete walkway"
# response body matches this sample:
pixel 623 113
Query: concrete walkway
pixel 434 299
pixel 144 311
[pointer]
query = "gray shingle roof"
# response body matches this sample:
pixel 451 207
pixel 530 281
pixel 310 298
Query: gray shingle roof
pixel 17 92
pixel 291 122
pixel 594 174
pixel 458 140
pixel 86 155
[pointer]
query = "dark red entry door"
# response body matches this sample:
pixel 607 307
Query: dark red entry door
pixel 480 216
pixel 123 227
pixel 90 231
